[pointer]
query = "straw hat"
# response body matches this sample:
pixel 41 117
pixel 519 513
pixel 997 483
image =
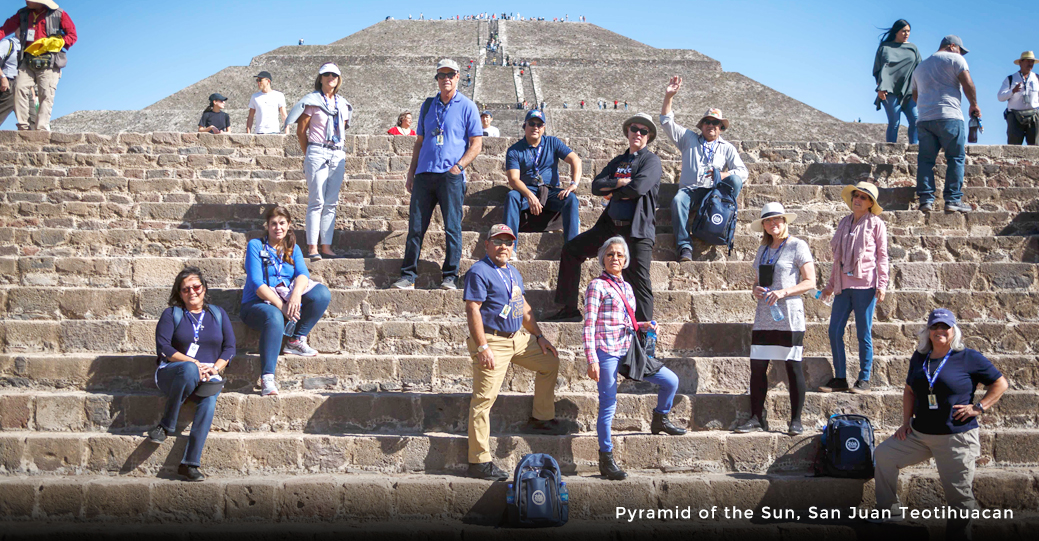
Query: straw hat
pixel 866 188
pixel 645 120
pixel 715 114
pixel 770 210
pixel 1027 55
pixel 49 3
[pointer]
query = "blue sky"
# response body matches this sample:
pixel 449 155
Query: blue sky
pixel 133 53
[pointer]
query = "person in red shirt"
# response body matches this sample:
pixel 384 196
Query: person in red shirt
pixel 403 126
pixel 38 20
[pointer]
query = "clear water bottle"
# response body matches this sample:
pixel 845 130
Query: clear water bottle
pixel 510 496
pixel 777 312
pixel 975 127
pixel 651 342
pixel 828 300
pixel 564 493
pixel 290 327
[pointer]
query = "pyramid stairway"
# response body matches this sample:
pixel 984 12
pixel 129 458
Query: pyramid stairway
pixel 93 229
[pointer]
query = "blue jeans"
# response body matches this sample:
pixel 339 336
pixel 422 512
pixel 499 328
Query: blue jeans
pixel 515 203
pixel 428 190
pixel 178 380
pixel 270 321
pixel 688 200
pixel 862 302
pixel 893 108
pixel 666 379
pixel 947 135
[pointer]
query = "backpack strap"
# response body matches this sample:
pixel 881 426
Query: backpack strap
pixel 178 316
pixel 425 109
pixel 53 24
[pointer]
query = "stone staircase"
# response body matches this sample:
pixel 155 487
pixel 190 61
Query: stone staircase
pixel 93 229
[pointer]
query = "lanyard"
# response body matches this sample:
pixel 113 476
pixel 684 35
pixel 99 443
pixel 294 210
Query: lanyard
pixel 508 283
pixel 775 255
pixel 535 173
pixel 927 369
pixel 196 325
pixel 335 115
pixel 442 117
pixel 707 153
pixel 274 258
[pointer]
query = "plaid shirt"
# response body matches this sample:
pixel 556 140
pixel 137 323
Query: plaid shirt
pixel 606 320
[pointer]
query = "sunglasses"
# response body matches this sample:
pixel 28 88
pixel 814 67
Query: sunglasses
pixel 197 288
pixel 712 122
pixel 446 75
pixel 939 326
pixel 862 196
pixel 640 131
pixel 536 124
pixel 502 242
pixel 330 74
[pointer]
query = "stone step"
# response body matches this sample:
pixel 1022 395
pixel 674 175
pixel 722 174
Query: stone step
pixel 117 373
pixel 692 276
pixel 220 242
pixel 412 413
pixel 416 336
pixel 100 304
pixel 78 455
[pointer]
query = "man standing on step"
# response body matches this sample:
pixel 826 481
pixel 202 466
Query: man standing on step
pixel 48 29
pixel 936 90
pixel 449 138
pixel 485 120
pixel 502 331
pixel 532 167
pixel 1021 92
pixel 265 107
pixel 631 183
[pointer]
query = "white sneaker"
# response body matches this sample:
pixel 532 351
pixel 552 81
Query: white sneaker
pixel 299 347
pixel 269 387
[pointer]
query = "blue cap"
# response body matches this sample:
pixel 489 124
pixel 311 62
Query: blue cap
pixel 534 113
pixel 941 315
pixel 486 113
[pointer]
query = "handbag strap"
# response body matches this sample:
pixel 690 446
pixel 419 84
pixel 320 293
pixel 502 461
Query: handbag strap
pixel 631 313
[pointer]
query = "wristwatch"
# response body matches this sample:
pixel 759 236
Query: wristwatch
pixel 980 407
pixel 539 337
pixel 483 347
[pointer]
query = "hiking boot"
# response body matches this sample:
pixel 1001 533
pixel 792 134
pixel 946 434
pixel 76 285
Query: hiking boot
pixel 298 346
pixel 752 425
pixel 662 424
pixel 450 282
pixel 190 473
pixel 403 283
pixel 551 427
pixel 609 469
pixel 861 387
pixel 795 429
pixel 957 206
pixel 835 385
pixel 565 315
pixel 686 254
pixel 926 207
pixel 487 471
pixel 157 434
pixel 269 386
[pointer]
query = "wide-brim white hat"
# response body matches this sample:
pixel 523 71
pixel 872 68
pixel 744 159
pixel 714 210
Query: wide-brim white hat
pixel 770 210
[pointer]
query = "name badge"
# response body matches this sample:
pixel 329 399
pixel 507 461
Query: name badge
pixel 932 401
pixel 440 140
pixel 30 35
pixel 192 351
pixel 505 311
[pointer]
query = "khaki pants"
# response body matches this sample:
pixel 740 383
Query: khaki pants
pixel 524 351
pixel 46 83
pixel 954 455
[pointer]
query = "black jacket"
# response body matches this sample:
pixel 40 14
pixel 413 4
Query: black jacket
pixel 644 186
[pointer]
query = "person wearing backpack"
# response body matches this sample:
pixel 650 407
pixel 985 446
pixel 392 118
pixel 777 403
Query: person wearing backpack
pixel 195 342
pixel 1021 92
pixel 939 418
pixel 705 158
pixel 785 269
pixel 9 48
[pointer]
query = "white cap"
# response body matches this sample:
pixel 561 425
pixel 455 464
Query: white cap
pixel 447 63
pixel 329 68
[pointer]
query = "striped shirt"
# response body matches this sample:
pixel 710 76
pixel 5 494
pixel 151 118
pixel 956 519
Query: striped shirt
pixel 606 320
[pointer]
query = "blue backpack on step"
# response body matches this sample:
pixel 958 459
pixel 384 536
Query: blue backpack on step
pixel 847 448
pixel 715 221
pixel 537 495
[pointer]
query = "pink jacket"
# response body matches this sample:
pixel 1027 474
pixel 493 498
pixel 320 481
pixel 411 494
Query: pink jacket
pixel 860 258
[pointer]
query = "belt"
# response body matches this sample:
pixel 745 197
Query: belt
pixel 496 332
pixel 330 146
pixel 621 223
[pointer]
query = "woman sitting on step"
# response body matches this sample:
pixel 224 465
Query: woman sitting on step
pixel 279 298
pixel 608 317
pixel 195 342
pixel 785 270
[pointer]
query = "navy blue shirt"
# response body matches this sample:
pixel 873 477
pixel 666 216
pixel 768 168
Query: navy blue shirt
pixel 955 385
pixel 490 284
pixel 214 341
pixel 460 120
pixel 521 156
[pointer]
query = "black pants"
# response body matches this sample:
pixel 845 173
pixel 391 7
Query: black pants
pixel 1018 133
pixel 586 246
pixel 759 387
pixel 7 102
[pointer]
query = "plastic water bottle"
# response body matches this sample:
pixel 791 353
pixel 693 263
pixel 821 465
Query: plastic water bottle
pixel 564 493
pixel 828 300
pixel 651 341
pixel 974 128
pixel 510 496
pixel 777 312
pixel 290 327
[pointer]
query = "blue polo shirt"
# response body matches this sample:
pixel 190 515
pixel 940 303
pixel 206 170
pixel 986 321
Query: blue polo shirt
pixel 460 120
pixel 490 284
pixel 955 385
pixel 522 156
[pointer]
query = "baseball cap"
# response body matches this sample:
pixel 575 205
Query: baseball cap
pixel 487 113
pixel 953 39
pixel 534 113
pixel 329 67
pixel 941 315
pixel 264 75
pixel 500 229
pixel 216 96
pixel 447 63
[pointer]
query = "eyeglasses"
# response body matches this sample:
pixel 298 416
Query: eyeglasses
pixel 446 75
pixel 712 122
pixel 502 242
pixel 536 125
pixel 197 288
pixel 939 326
pixel 640 131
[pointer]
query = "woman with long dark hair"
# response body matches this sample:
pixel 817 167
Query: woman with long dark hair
pixel 279 299
pixel 893 68
pixel 214 119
